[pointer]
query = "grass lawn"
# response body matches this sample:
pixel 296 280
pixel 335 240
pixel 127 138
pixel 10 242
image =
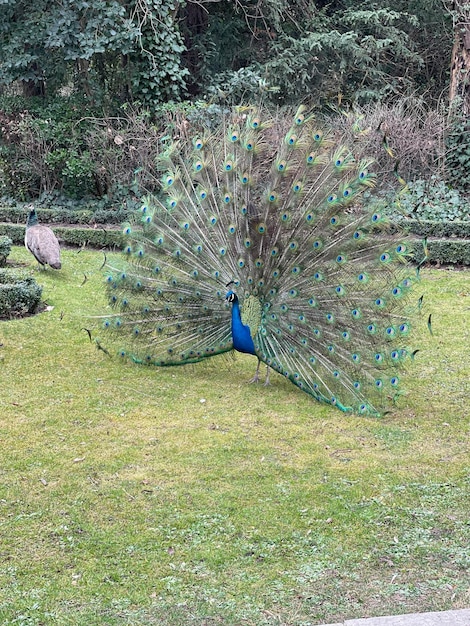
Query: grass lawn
pixel 180 496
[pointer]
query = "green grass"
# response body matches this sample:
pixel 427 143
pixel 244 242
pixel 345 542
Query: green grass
pixel 140 496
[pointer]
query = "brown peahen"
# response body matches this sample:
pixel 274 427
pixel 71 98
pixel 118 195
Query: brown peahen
pixel 259 243
pixel 41 241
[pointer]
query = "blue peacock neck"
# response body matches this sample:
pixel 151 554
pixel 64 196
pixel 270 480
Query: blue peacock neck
pixel 241 335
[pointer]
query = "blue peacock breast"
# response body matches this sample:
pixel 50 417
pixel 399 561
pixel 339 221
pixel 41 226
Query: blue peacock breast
pixel 245 322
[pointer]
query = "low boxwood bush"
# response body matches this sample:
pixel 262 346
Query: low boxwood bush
pixel 19 293
pixel 428 228
pixel 93 237
pixel 5 248
pixel 62 215
pixel 444 251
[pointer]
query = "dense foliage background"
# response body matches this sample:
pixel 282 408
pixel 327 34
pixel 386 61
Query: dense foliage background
pixel 89 90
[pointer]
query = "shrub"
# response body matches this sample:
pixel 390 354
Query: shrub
pixel 412 132
pixel 434 200
pixel 93 237
pixel 19 293
pixel 5 248
pixel 444 251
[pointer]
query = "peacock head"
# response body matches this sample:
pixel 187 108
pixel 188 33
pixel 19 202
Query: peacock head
pixel 231 297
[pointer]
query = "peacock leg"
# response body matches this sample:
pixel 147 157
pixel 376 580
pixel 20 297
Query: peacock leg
pixel 255 378
pixel 267 381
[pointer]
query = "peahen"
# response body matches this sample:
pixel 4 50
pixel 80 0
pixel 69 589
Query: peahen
pixel 259 244
pixel 41 241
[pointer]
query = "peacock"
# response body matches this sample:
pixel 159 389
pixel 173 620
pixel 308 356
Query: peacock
pixel 259 242
pixel 41 241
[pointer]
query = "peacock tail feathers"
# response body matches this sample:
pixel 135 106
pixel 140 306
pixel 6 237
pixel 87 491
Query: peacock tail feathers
pixel 274 212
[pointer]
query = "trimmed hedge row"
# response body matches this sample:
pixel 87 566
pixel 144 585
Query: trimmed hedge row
pixel 19 293
pixel 440 230
pixel 440 249
pixel 60 215
pixel 444 251
pixel 93 237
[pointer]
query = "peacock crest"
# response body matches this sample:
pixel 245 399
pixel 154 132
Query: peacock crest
pixel 259 242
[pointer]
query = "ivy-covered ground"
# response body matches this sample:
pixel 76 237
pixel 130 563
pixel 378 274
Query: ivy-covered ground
pixel 138 496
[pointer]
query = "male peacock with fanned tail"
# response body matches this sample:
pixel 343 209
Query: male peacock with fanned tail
pixel 261 245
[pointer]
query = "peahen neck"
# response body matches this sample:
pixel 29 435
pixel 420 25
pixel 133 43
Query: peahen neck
pixel 241 336
pixel 32 219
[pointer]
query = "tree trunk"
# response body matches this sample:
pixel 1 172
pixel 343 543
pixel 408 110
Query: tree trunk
pixel 459 94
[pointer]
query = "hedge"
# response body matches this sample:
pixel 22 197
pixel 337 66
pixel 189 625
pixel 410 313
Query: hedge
pixel 444 251
pixel 5 248
pixel 61 215
pixel 440 230
pixel 94 237
pixel 443 243
pixel 19 293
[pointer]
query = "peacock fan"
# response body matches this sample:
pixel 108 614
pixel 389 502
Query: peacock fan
pixel 261 245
